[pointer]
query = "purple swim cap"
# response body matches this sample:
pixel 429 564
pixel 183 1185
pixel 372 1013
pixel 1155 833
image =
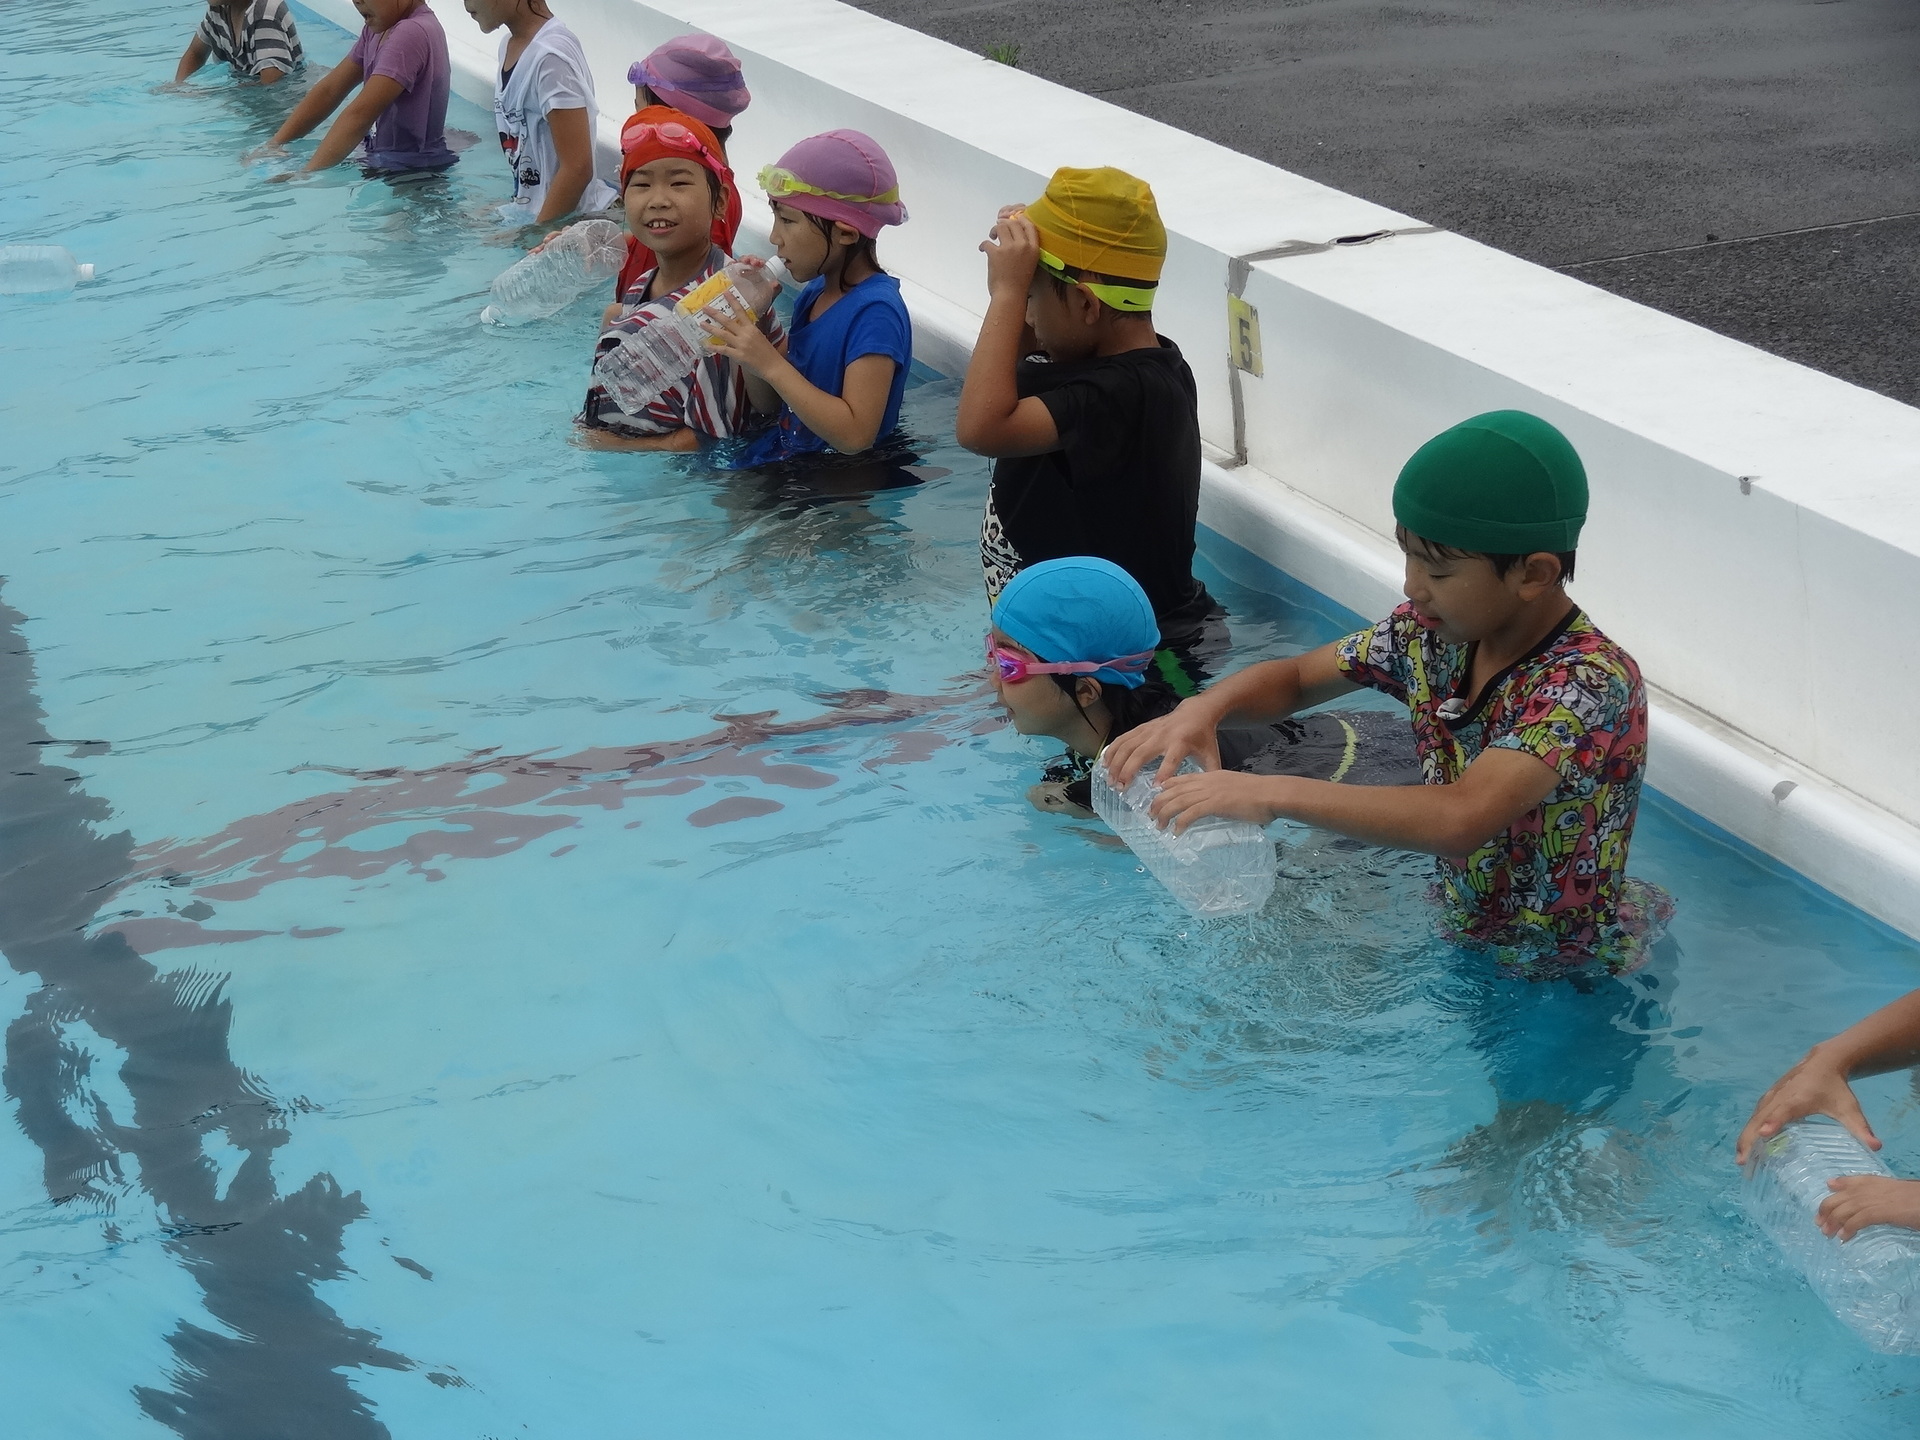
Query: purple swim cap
pixel 841 175
pixel 697 75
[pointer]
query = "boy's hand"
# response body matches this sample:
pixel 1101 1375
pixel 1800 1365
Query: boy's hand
pixel 268 151
pixel 1226 793
pixel 1862 1200
pixel 1013 254
pixel 1188 729
pixel 742 341
pixel 1816 1086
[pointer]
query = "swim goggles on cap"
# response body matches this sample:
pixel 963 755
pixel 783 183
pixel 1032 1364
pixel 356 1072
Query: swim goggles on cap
pixel 1133 298
pixel 670 133
pixel 1015 668
pixel 639 74
pixel 777 182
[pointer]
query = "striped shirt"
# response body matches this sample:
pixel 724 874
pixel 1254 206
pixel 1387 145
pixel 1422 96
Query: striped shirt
pixel 712 401
pixel 270 40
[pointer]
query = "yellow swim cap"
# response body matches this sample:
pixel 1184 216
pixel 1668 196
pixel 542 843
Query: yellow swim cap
pixel 1102 220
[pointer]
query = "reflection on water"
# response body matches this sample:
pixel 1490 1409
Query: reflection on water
pixel 278 1365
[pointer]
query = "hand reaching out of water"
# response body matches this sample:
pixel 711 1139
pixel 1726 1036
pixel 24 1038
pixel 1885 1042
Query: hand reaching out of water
pixel 1862 1200
pixel 1816 1086
pixel 1189 729
pixel 1013 254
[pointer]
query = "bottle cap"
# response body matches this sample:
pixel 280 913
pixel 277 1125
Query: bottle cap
pixel 86 272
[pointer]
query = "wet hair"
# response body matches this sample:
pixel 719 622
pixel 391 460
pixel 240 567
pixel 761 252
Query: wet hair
pixel 1503 564
pixel 864 248
pixel 1129 707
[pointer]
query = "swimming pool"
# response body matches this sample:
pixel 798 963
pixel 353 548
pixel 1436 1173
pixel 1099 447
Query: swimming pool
pixel 587 966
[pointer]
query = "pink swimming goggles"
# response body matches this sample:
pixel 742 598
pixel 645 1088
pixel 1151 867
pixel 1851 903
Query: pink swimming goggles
pixel 1015 668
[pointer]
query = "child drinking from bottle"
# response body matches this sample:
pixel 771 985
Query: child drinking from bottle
pixel 674 183
pixel 840 381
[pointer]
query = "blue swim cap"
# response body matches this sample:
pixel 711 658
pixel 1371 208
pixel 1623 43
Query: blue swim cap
pixel 1079 609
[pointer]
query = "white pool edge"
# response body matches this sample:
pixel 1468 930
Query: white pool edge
pixel 806 69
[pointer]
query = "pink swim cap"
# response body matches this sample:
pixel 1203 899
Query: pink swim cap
pixel 697 75
pixel 841 175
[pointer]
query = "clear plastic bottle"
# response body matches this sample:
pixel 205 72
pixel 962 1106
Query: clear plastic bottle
pixel 1214 867
pixel 663 352
pixel 546 281
pixel 1872 1282
pixel 40 270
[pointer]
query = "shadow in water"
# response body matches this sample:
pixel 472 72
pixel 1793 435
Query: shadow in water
pixel 276 1367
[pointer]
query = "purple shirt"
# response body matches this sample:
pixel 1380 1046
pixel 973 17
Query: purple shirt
pixel 411 132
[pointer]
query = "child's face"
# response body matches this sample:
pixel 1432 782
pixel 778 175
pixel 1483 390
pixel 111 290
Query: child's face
pixel 800 243
pixel 670 207
pixel 1463 599
pixel 490 15
pixel 383 15
pixel 1063 319
pixel 1036 705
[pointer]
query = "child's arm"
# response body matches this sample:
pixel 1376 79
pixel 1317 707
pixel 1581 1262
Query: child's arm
pixel 573 149
pixel 195 56
pixel 1271 690
pixel 355 121
pixel 1888 1039
pixel 1494 791
pixel 849 421
pixel 319 102
pixel 681 442
pixel 993 419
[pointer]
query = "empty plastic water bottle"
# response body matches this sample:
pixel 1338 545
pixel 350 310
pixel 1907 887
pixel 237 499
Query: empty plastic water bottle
pixel 664 351
pixel 1213 867
pixel 1872 1282
pixel 545 281
pixel 39 270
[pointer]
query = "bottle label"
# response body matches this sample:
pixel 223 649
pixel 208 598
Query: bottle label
pixel 717 294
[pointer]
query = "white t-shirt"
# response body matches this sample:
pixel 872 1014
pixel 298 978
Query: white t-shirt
pixel 551 74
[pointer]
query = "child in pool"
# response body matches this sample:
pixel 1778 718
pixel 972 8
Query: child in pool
pixel 840 381
pixel 674 183
pixel 1070 658
pixel 543 109
pixel 1096 438
pixel 1888 1039
pixel 698 76
pixel 1531 725
pixel 256 38
pixel 401 67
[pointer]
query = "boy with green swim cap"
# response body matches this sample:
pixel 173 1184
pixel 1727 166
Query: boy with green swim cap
pixel 1530 724
pixel 1089 414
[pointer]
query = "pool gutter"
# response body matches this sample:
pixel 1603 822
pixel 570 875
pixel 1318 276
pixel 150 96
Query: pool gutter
pixel 1754 521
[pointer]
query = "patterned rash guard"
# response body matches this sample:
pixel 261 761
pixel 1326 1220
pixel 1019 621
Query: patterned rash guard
pixel 1551 892
pixel 712 401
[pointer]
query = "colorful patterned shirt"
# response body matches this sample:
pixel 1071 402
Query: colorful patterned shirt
pixel 712 401
pixel 1551 891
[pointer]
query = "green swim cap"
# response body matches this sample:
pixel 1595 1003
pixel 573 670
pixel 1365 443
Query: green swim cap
pixel 1503 483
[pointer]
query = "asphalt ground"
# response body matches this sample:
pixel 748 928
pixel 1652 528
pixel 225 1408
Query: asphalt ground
pixel 1749 165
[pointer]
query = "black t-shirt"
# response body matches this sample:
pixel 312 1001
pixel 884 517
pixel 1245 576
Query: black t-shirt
pixel 1124 484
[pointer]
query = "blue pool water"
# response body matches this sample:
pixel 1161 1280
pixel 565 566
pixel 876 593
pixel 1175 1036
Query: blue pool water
pixel 508 941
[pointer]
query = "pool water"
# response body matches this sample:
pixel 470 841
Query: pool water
pixel 511 941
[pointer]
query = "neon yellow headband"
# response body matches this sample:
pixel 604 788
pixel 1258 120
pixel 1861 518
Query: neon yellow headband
pixel 1134 299
pixel 777 182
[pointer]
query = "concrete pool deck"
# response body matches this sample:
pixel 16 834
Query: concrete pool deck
pixel 1743 164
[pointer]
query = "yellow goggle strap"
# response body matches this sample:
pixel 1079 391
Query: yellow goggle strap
pixel 1135 299
pixel 777 182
